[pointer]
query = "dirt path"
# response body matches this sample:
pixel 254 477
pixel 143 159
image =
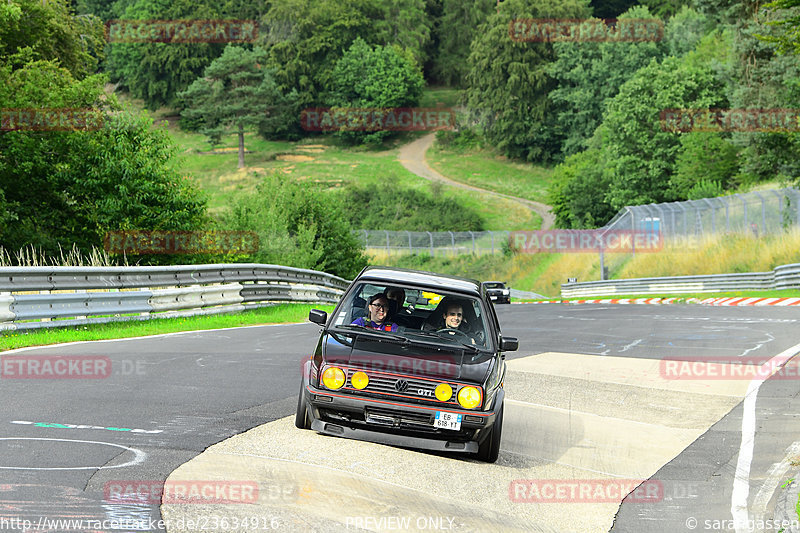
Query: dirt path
pixel 412 156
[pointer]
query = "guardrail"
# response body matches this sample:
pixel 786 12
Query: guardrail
pixel 40 297
pixel 782 277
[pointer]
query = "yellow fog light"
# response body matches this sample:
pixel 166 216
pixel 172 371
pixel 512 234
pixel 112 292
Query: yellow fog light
pixel 443 392
pixel 469 397
pixel 359 380
pixel 333 378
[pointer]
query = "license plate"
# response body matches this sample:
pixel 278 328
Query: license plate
pixel 447 420
pixel 493 297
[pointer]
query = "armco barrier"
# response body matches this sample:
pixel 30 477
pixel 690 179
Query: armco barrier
pixel 783 277
pixel 37 297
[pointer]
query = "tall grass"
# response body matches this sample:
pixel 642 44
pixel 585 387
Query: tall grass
pixel 30 256
pixel 719 254
pixel 544 273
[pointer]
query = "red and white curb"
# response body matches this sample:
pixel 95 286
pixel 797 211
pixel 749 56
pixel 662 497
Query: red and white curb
pixel 707 301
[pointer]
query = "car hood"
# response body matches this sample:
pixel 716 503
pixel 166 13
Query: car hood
pixel 415 360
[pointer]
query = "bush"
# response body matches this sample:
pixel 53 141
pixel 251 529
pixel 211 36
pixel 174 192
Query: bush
pixel 390 207
pixel 298 226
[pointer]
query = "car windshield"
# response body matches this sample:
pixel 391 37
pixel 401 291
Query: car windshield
pixel 417 314
pixel 494 285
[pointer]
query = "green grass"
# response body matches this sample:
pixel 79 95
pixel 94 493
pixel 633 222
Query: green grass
pixel 487 170
pixel 783 293
pixel 278 314
pixel 440 97
pixel 325 163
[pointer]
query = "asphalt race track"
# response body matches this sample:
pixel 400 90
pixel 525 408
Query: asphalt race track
pixel 595 415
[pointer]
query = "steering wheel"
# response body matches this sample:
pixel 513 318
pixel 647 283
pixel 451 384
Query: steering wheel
pixel 455 333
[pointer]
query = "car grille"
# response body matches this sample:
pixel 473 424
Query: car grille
pixel 388 385
pixel 402 417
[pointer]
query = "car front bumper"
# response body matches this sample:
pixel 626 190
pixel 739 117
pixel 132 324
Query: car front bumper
pixel 395 423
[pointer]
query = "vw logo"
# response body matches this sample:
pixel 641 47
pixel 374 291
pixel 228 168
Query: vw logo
pixel 401 385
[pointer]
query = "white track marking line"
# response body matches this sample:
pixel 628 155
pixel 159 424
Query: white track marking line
pixel 741 480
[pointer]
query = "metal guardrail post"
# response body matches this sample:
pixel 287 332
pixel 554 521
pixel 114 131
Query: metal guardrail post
pixel 388 252
pixel 452 241
pixel 410 246
pixel 471 234
pixel 492 234
pixel 430 236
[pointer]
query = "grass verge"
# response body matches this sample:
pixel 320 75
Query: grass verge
pixel 681 298
pixel 278 314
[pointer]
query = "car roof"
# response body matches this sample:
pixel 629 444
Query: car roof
pixel 420 278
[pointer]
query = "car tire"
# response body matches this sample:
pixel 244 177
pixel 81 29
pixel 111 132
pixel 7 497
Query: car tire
pixel 489 450
pixel 301 420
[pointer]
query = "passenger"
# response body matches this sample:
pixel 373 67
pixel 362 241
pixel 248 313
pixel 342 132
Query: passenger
pixel 378 313
pixel 397 297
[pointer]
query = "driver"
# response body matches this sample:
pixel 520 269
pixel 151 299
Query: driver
pixel 378 313
pixel 453 318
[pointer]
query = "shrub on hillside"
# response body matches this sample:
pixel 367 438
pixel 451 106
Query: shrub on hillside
pixel 297 226
pixel 391 207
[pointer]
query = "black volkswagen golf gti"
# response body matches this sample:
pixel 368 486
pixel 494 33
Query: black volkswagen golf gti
pixel 409 358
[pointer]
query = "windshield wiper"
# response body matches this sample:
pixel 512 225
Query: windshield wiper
pixel 433 334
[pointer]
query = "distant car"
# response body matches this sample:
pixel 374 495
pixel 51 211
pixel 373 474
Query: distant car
pixel 422 386
pixel 497 291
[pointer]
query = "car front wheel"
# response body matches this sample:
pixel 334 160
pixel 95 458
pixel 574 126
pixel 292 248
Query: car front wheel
pixel 489 450
pixel 301 420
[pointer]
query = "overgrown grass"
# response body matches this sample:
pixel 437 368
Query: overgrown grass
pixel 717 255
pixel 440 97
pixel 330 166
pixel 488 170
pixel 278 314
pixel 681 298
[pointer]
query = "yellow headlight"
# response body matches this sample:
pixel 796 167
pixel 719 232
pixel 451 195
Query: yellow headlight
pixel 333 378
pixel 359 380
pixel 443 392
pixel 469 397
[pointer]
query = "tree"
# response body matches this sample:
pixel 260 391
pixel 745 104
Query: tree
pixel 406 24
pixel 508 81
pixel 704 157
pixel 65 187
pixel 305 38
pixel 234 93
pixel 50 31
pixel 590 73
pixel 369 77
pixel 157 71
pixel 788 38
pixel 641 151
pixel 457 27
pixel 578 188
pixel 685 30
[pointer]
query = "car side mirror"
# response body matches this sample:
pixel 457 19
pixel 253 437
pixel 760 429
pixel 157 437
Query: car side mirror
pixel 318 317
pixel 509 344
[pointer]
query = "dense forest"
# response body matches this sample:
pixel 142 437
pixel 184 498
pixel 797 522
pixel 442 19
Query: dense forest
pixel 592 108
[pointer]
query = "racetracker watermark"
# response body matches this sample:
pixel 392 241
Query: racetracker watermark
pixel 377 119
pixel 50 119
pixel 731 120
pixel 175 492
pixel 180 242
pixel 591 240
pixel 585 30
pixel 585 491
pixel 728 368
pixel 55 367
pixel 181 31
